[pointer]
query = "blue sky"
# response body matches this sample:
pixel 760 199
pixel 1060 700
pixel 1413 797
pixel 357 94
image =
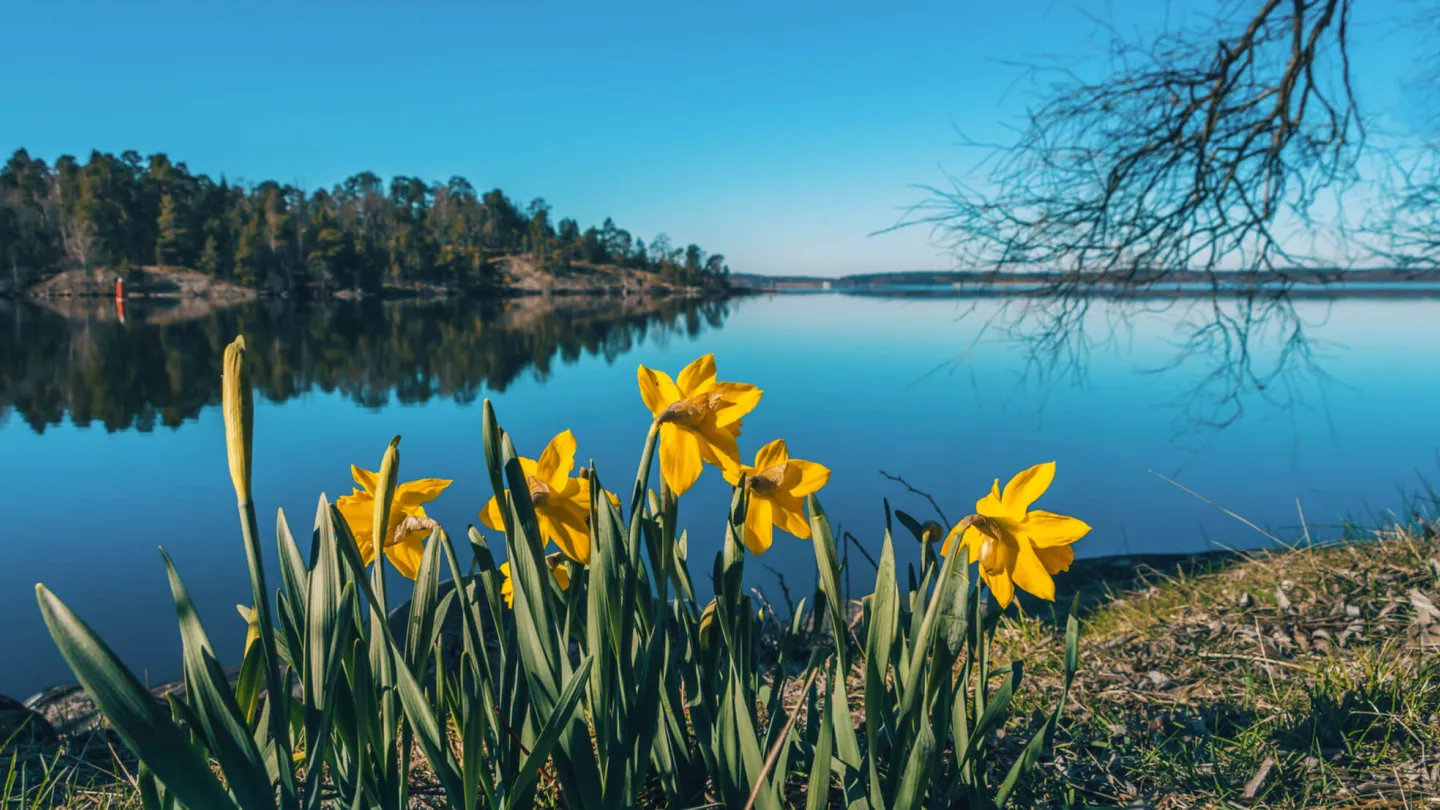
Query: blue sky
pixel 781 134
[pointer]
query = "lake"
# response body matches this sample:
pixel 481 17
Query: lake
pixel 113 446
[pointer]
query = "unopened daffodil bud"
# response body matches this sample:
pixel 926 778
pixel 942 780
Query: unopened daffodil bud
pixel 238 408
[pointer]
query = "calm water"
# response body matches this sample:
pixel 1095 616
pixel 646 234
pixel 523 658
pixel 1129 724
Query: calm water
pixel 112 444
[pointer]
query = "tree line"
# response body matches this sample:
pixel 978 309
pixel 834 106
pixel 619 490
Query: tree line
pixel 129 211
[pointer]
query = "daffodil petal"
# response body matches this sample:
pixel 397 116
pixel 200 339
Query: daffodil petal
pixel 771 455
pixel 566 522
pixel 990 505
pixel 789 514
pixel 1000 585
pixel 561 574
pixel 736 400
pixel 698 377
pixel 718 446
pixel 406 554
pixel 657 390
pixel 680 461
pixel 507 587
pixel 1030 574
pixel 491 515
pixel 425 490
pixel 805 477
pixel 1026 488
pixel 758 520
pixel 1047 529
pixel 364 478
pixel 1056 559
pixel 557 461
pixel 358 511
pixel 733 475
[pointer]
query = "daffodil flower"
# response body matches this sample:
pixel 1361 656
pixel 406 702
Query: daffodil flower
pixel 699 419
pixel 406 550
pixel 1018 546
pixel 778 485
pixel 557 570
pixel 562 503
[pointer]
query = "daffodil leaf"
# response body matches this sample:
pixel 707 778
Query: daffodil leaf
pixel 995 709
pixel 422 605
pixel 227 736
pixel 817 795
pixel 918 769
pixel 555 725
pixel 132 711
pixel 883 621
pixel 294 576
pixel 428 731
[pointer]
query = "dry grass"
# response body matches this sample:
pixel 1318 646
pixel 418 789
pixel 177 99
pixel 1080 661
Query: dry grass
pixel 1305 678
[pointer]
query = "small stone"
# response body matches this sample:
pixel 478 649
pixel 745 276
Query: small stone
pixel 22 726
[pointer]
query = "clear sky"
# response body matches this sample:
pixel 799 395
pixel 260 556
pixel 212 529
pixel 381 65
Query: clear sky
pixel 779 133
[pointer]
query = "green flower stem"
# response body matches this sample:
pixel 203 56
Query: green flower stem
pixel 277 690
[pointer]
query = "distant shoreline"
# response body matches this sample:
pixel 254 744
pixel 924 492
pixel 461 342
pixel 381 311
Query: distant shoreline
pixel 1179 283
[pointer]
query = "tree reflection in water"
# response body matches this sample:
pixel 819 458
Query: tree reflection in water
pixel 161 366
pixel 1229 351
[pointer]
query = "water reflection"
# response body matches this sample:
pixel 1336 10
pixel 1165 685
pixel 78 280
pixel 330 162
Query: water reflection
pixel 161 364
pixel 1234 351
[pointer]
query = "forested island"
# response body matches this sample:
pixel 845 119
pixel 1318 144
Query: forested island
pixel 74 228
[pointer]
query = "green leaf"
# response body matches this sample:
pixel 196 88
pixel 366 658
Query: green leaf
pixel 132 711
pixel 1035 749
pixel 829 565
pixel 554 726
pixel 422 605
pixel 226 733
pixel 294 576
pixel 428 731
pixel 995 710
pixel 880 638
pixel 918 768
pixel 817 796
pixel 847 746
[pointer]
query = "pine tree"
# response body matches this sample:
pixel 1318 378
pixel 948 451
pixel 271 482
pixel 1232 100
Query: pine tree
pixel 171 232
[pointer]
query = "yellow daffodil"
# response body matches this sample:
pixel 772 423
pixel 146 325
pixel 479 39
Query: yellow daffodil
pixel 562 503
pixel 1018 545
pixel 557 570
pixel 778 485
pixel 406 511
pixel 699 419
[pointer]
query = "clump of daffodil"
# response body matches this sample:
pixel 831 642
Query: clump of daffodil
pixel 1016 545
pixel 698 417
pixel 556 562
pixel 562 503
pixel 777 486
pixel 407 526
